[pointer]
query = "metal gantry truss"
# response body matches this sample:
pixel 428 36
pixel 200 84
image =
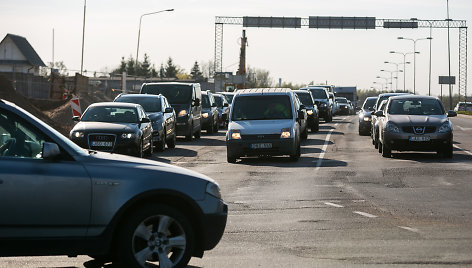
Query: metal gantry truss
pixel 379 23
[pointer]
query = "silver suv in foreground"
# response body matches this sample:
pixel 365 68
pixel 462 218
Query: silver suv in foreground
pixel 265 121
pixel 59 199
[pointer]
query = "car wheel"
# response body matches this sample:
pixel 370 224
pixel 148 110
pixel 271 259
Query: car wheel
pixel 379 146
pixel 305 134
pixel 139 150
pixel 155 235
pixel 296 155
pixel 198 134
pixel 210 128
pixel 189 135
pixel 150 150
pixel 376 143
pixel 162 143
pixel 230 158
pixel 171 142
pixel 386 150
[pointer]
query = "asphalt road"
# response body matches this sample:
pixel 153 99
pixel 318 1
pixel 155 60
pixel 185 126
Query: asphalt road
pixel 340 205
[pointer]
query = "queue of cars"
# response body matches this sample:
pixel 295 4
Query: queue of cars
pixel 406 122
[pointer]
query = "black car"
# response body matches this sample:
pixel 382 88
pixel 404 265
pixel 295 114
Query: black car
pixel 160 113
pixel 209 112
pixel 114 127
pixel 223 108
pixel 313 121
pixel 322 100
pixel 365 115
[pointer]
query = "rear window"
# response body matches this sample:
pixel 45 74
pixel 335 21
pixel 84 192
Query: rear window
pixel 341 100
pixel 205 101
pixel 369 104
pixel 175 94
pixel 262 107
pixel 305 98
pixel 318 93
pixel 150 105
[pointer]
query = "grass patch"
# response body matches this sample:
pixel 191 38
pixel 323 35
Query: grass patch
pixel 465 112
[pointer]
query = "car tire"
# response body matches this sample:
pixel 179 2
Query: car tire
pixel 198 134
pixel 216 126
pixel 189 135
pixel 150 150
pixel 171 142
pixel 210 128
pixel 161 146
pixel 139 150
pixel 386 150
pixel 296 155
pixel 165 227
pixel 230 158
pixel 304 135
pixel 376 142
pixel 379 147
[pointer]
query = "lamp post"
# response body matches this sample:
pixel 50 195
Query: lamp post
pixel 83 38
pixel 449 58
pixel 139 35
pixel 398 71
pixel 386 81
pixel 414 57
pixel 404 64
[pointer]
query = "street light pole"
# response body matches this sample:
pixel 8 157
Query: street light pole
pixel 386 81
pixel 404 64
pixel 396 64
pixel 391 77
pixel 139 36
pixel 414 58
pixel 449 57
pixel 83 37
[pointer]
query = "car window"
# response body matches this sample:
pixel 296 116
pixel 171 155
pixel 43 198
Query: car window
pixel 178 94
pixel 219 101
pixel 415 107
pixel 150 105
pixel 262 107
pixel 318 93
pixel 18 138
pixel 110 114
pixel 305 98
pixel 369 104
pixel 205 101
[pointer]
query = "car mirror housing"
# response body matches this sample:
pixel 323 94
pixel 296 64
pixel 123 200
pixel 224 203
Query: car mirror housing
pixel 76 118
pixel 451 113
pixel 379 113
pixel 145 120
pixel 169 110
pixel 50 150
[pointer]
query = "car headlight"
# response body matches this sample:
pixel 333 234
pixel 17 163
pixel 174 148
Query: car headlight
pixel 309 112
pixel 213 189
pixel 205 115
pixel 182 113
pixel 128 135
pixel 285 133
pixel 78 134
pixel 235 134
pixel 367 118
pixel 391 127
pixel 446 127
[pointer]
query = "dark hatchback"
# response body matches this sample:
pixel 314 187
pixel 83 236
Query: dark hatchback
pixel 209 112
pixel 114 127
pixel 313 120
pixel 162 116
pixel 365 115
pixel 322 100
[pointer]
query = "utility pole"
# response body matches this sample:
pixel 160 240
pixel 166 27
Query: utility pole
pixel 83 36
pixel 449 57
pixel 242 60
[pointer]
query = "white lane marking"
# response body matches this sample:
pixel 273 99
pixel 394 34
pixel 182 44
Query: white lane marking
pixel 333 205
pixel 463 128
pixel 323 150
pixel 365 214
pixel 414 230
pixel 464 150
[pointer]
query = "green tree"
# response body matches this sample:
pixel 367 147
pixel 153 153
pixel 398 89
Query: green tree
pixel 171 70
pixel 195 73
pixel 144 68
pixel 130 66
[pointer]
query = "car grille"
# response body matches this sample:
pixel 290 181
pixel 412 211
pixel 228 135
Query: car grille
pixel 102 142
pixel 411 129
pixel 260 137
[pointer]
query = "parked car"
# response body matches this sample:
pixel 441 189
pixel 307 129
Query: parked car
pixel 365 116
pixel 323 102
pixel 59 199
pixel 415 123
pixel 209 112
pixel 114 127
pixel 373 131
pixel 463 106
pixel 313 121
pixel 343 106
pixel 223 109
pixel 264 121
pixel 185 98
pixel 161 114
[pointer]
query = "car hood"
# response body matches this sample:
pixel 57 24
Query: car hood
pixel 105 127
pixel 260 126
pixel 424 120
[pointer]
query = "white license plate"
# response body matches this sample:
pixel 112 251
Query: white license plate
pixel 419 138
pixel 261 145
pixel 101 143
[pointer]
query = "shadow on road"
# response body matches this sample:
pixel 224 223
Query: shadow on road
pixel 96 264
pixel 174 152
pixel 283 161
pixel 432 157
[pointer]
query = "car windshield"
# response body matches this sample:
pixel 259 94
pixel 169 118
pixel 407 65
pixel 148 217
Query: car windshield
pixel 415 107
pixel 318 93
pixel 219 101
pixel 369 104
pixel 341 100
pixel 175 94
pixel 205 101
pixel 110 114
pixel 305 98
pixel 262 108
pixel 150 105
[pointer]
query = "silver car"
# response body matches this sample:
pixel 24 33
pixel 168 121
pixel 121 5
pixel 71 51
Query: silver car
pixel 415 123
pixel 59 199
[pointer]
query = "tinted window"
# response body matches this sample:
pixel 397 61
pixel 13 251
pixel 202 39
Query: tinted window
pixel 205 101
pixel 110 115
pixel 305 98
pixel 219 101
pixel 262 107
pixel 369 104
pixel 341 100
pixel 150 105
pixel 416 107
pixel 318 93
pixel 229 97
pixel 178 94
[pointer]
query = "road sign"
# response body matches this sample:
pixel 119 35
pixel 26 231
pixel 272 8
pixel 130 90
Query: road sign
pixel 342 22
pixel 272 22
pixel 447 80
pixel 400 24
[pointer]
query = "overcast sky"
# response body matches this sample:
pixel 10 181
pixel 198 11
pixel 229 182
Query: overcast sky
pixel 340 57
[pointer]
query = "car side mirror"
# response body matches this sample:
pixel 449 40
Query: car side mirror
pixel 196 102
pixel 301 115
pixel 76 118
pixel 213 105
pixel 225 105
pixel 379 113
pixel 169 110
pixel 145 120
pixel 302 107
pixel 451 113
pixel 50 150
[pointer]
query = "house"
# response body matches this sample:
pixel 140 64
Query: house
pixel 18 56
